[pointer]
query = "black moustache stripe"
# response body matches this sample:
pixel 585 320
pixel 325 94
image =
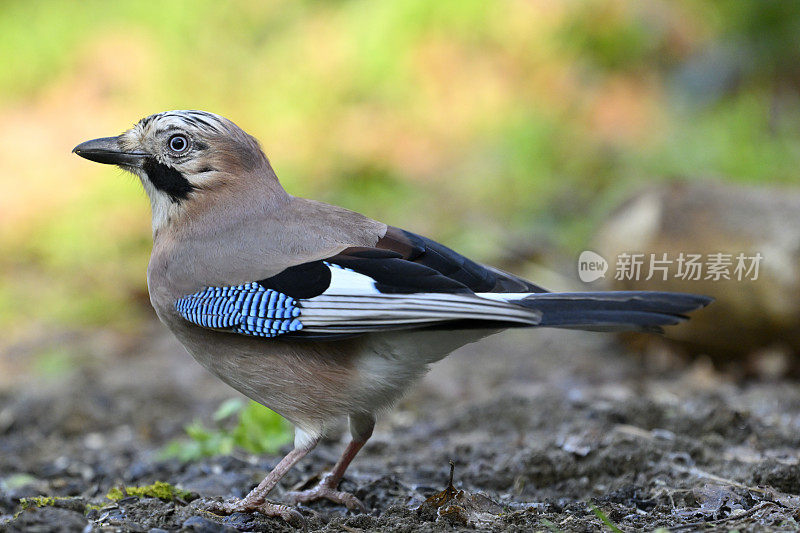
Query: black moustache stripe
pixel 167 179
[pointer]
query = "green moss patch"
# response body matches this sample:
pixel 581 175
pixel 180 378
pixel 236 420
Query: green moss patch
pixel 38 501
pixel 159 489
pixel 74 504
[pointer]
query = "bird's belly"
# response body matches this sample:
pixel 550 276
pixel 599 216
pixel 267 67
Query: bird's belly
pixel 310 384
pixel 389 363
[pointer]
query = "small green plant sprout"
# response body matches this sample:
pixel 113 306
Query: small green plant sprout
pixel 607 521
pixel 256 429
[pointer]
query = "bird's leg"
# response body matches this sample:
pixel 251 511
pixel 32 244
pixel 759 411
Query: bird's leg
pixel 256 500
pixel 361 430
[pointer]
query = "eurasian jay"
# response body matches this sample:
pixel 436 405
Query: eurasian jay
pixel 312 310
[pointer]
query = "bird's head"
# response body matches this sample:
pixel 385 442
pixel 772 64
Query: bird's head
pixel 180 156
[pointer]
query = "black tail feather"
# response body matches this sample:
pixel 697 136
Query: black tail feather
pixel 614 311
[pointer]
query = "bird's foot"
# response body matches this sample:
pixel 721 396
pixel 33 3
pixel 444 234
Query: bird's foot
pixel 326 489
pixel 247 505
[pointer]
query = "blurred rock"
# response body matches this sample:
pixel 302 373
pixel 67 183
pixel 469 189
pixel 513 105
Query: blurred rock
pixel 753 311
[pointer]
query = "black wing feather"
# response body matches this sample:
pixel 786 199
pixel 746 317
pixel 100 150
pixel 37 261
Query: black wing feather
pixel 301 281
pixel 395 275
pixel 478 278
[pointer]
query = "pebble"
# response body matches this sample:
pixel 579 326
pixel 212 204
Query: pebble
pixel 204 525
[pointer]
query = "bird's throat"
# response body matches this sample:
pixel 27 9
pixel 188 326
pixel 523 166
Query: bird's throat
pixel 167 180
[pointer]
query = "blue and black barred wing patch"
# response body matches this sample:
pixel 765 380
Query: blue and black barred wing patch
pixel 248 309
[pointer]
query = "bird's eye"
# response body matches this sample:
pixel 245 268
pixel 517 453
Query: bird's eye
pixel 178 144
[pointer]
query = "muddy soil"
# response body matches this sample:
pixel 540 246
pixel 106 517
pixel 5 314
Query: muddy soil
pixel 548 430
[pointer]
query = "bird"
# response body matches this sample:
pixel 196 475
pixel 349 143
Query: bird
pixel 312 310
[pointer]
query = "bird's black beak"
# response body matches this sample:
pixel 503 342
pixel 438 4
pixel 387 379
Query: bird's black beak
pixel 107 150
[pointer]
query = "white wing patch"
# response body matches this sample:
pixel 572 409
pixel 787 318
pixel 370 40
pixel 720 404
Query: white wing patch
pixel 345 281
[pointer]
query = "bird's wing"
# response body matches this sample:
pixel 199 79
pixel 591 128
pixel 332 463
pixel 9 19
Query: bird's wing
pixel 404 281
pixel 478 278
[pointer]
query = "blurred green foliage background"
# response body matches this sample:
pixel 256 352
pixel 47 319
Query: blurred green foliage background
pixel 484 124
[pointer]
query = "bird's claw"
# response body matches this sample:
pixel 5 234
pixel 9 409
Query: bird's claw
pixel 325 491
pixel 286 513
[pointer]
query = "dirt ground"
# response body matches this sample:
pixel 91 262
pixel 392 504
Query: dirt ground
pixel 548 430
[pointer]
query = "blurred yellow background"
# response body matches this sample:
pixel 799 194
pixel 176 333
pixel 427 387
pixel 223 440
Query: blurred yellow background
pixel 489 125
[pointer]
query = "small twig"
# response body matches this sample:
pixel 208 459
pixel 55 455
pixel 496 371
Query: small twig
pixel 452 472
pixel 713 477
pixel 743 514
pixel 634 431
pixel 647 435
